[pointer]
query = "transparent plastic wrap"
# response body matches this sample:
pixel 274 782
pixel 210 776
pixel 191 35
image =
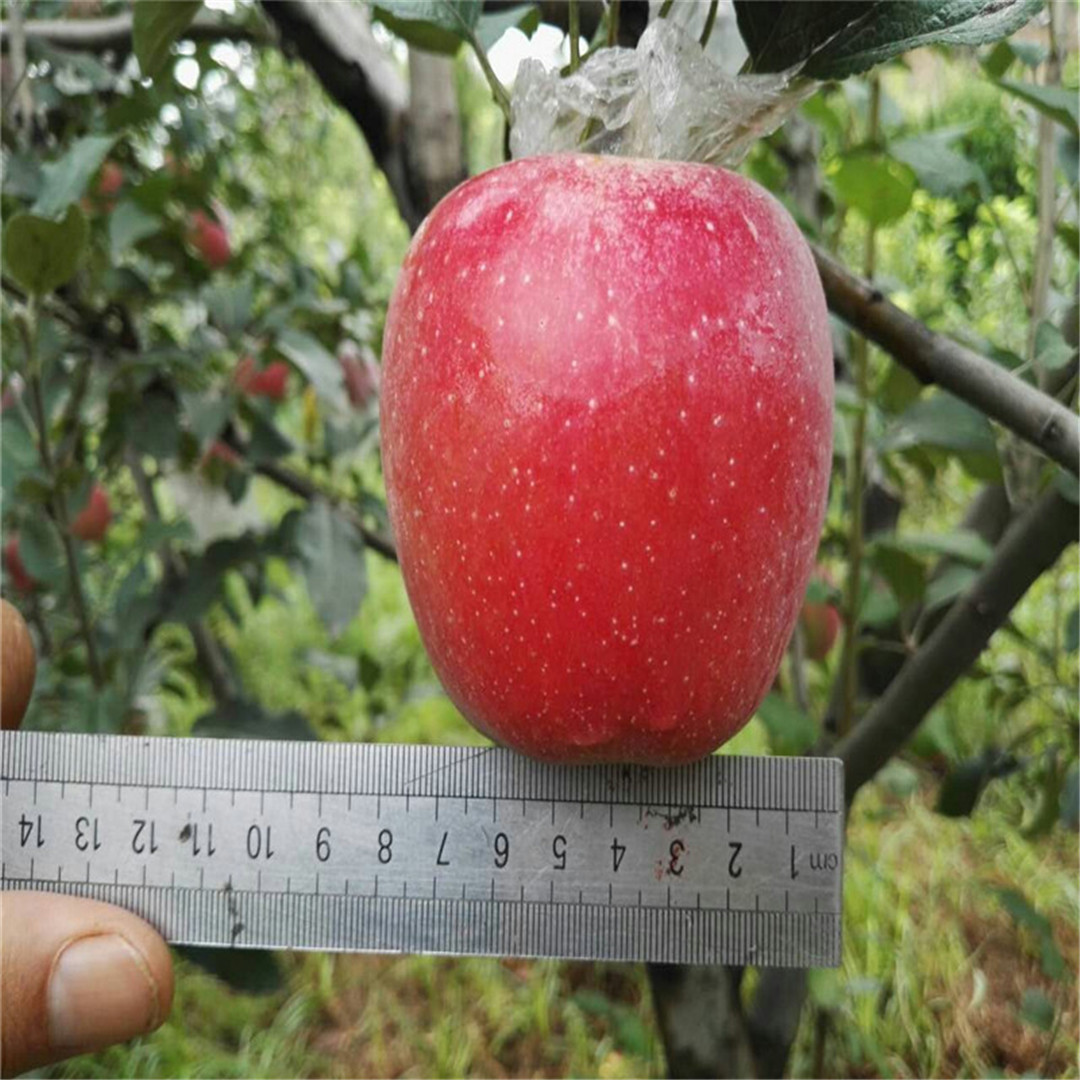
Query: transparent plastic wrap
pixel 664 99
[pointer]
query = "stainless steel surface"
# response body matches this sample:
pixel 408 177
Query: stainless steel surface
pixel 434 849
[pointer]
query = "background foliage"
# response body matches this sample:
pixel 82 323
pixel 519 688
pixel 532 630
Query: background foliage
pixel 241 585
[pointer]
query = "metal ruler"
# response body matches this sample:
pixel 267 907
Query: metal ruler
pixel 433 849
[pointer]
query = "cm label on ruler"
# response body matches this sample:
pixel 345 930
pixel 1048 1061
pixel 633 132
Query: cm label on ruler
pixel 766 852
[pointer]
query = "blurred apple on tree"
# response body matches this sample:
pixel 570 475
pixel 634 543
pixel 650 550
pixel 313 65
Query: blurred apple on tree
pixel 210 239
pixel 92 521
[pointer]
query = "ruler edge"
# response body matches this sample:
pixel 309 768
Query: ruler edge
pixel 96 890
pixel 742 767
pixel 832 766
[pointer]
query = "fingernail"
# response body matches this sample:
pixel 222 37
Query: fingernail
pixel 101 991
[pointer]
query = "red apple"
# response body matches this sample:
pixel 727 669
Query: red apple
pixel 110 181
pixel 209 238
pixel 271 381
pixel 92 521
pixel 607 433
pixel 223 452
pixel 18 665
pixel 361 373
pixel 20 579
pixel 820 622
pixel 821 627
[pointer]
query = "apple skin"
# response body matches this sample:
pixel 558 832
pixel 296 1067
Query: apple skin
pixel 92 521
pixel 210 240
pixel 18 665
pixel 21 580
pixel 607 433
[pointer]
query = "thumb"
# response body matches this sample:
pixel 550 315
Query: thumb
pixel 77 975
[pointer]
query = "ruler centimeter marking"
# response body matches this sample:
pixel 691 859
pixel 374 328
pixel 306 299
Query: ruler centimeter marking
pixel 362 847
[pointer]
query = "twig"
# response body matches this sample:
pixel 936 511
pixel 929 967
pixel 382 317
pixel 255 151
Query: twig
pixel 1029 548
pixel 613 23
pixel 797 667
pixel 1026 411
pixel 1044 241
pixel 307 489
pixel 856 478
pixel 63 525
pixel 113 33
pixel 710 22
pixel 498 91
pixel 574 34
pixel 207 649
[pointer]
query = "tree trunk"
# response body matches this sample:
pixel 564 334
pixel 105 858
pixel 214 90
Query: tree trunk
pixel 701 1021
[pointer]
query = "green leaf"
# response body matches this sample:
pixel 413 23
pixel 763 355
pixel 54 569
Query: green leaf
pixel 248 971
pixel 1069 235
pixel 1072 631
pixel 492 25
pixel 155 26
pixel 934 737
pixel 840 39
pixel 1057 102
pixel 790 730
pixel 332 557
pixel 874 185
pixel 267 443
pixel 879 606
pixel 243 719
pixel 128 224
pixel 438 26
pixel 900 389
pixel 1069 807
pixel 962 787
pixel 1068 155
pixel 1066 484
pixel 1051 349
pixel 206 415
pixel 41 551
pixel 315 363
pixel 962 545
pixel 942 421
pixel 940 170
pixel 21 175
pixel 1037 1009
pixel 1026 917
pixel 65 180
pixel 229 304
pixel 1002 56
pixel 42 255
pixel 948 585
pixel 827 989
pixel 154 427
pixel 902 571
pixel 18 456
